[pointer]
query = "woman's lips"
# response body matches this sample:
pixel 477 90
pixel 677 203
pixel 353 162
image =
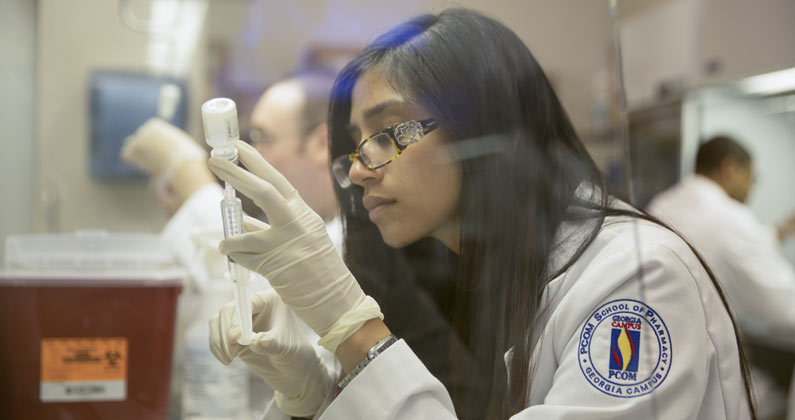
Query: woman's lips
pixel 376 206
pixel 378 210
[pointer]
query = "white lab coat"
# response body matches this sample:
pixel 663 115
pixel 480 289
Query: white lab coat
pixel 742 252
pixel 200 217
pixel 686 366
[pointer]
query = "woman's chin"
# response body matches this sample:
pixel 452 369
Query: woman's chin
pixel 395 239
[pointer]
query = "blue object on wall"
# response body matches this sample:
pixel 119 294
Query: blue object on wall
pixel 120 103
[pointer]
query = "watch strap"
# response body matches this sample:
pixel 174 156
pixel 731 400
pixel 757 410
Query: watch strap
pixel 374 351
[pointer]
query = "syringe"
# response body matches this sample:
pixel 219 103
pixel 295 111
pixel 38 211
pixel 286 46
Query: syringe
pixel 221 132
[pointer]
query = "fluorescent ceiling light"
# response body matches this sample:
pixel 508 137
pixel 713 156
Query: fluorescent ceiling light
pixel 770 83
pixel 170 50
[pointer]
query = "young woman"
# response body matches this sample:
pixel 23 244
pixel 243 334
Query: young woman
pixel 573 304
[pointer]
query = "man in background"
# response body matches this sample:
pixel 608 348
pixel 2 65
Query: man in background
pixel 709 209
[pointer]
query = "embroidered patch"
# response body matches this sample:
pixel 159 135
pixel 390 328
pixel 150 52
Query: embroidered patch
pixel 625 349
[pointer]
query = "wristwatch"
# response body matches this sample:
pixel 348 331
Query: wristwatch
pixel 374 351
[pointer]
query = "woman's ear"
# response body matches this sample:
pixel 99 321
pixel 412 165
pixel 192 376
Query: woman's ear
pixel 729 169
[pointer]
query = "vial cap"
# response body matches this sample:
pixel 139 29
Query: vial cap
pixel 220 126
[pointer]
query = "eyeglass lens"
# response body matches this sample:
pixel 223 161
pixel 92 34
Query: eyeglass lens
pixel 378 150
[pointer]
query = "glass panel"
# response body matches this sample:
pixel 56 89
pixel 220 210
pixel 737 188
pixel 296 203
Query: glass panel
pixel 488 232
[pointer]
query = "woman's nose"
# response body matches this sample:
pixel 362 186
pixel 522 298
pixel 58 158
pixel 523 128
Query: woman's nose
pixel 360 174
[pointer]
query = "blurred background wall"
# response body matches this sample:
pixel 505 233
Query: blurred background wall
pixel 17 118
pixel 73 39
pixel 674 45
pixel 243 47
pixel 50 48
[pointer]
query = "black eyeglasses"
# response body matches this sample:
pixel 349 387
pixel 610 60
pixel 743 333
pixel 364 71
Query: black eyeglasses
pixel 381 148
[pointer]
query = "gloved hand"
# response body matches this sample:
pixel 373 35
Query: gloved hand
pixel 280 353
pixel 178 165
pixel 159 148
pixel 294 253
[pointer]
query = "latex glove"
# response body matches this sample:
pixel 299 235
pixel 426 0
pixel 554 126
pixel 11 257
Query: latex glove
pixel 294 253
pixel 160 148
pixel 280 353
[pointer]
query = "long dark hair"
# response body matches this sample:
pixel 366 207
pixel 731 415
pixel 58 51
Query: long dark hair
pixel 478 79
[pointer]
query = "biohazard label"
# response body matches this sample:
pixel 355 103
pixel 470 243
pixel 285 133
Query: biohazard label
pixel 83 369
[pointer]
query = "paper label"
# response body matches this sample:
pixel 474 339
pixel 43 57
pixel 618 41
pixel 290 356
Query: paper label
pixel 83 369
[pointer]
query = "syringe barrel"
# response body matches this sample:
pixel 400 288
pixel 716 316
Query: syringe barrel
pixel 232 213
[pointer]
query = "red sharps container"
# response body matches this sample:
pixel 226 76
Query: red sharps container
pixel 87 326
